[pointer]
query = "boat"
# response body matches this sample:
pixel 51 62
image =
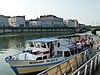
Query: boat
pixel 41 54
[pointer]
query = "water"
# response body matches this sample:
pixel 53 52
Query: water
pixel 15 41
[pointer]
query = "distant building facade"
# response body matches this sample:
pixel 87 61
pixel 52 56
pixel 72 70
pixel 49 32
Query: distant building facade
pixel 17 21
pixel 52 21
pixel 72 23
pixel 42 21
pixel 47 21
pixel 81 25
pixel 27 23
pixel 4 21
pixel 36 23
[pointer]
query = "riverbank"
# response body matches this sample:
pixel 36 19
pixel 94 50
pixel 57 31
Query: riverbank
pixel 32 29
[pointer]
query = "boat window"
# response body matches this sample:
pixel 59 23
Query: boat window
pixel 35 53
pixel 46 52
pixel 45 57
pixel 66 54
pixel 58 44
pixel 37 45
pixel 39 58
pixel 43 45
pixel 72 51
pixel 31 44
pixel 59 53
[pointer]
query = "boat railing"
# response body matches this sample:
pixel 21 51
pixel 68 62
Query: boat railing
pixel 69 65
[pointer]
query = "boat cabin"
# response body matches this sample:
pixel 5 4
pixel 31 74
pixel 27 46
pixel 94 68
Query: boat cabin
pixel 49 47
pixel 64 52
pixel 43 45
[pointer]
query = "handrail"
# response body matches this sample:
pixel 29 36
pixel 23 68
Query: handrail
pixel 85 65
pixel 58 66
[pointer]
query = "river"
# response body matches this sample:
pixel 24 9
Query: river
pixel 17 41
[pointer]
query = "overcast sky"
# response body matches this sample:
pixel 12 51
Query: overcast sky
pixel 85 11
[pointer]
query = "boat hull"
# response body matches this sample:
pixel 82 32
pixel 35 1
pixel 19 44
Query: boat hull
pixel 24 67
pixel 25 70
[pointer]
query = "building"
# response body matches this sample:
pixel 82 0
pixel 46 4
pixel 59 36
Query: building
pixel 47 21
pixel 52 21
pixel 17 21
pixel 27 23
pixel 81 25
pixel 4 21
pixel 72 23
pixel 36 23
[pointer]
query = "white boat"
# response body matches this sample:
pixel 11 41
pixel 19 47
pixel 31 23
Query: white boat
pixel 40 54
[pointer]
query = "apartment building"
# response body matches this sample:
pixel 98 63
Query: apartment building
pixel 17 21
pixel 4 21
pixel 47 21
pixel 72 23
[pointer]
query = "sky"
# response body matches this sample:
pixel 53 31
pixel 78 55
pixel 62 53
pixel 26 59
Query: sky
pixel 85 11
